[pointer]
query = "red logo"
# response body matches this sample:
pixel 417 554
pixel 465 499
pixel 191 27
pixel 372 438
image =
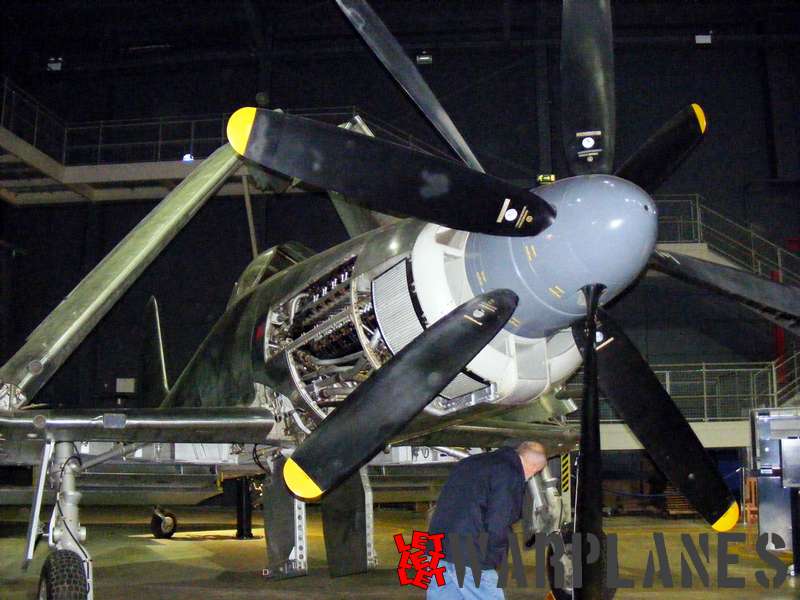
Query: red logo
pixel 417 557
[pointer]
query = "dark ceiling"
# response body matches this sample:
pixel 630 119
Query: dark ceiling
pixel 96 36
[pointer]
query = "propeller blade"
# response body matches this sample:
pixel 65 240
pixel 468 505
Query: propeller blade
pixel 384 404
pixel 642 403
pixel 665 150
pixel 778 302
pixel 391 54
pixel 589 491
pixel 588 116
pixel 386 177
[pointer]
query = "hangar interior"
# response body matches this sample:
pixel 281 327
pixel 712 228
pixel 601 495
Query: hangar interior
pixel 107 108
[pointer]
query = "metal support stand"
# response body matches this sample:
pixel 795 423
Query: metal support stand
pixel 284 527
pixel 794 495
pixel 66 532
pixel 347 524
pixel 244 510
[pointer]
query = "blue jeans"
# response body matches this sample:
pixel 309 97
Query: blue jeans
pixel 487 590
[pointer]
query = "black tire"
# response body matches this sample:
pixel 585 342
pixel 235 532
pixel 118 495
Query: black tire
pixel 164 528
pixel 566 592
pixel 63 577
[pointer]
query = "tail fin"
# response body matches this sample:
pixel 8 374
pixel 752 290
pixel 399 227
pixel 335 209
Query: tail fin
pixel 152 384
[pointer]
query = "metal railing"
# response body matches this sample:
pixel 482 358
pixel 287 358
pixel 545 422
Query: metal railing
pixel 705 391
pixel 25 117
pixel 149 140
pixel 684 218
pixel 172 138
pixel 787 380
pixel 716 391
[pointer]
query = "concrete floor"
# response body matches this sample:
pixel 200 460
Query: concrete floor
pixel 204 561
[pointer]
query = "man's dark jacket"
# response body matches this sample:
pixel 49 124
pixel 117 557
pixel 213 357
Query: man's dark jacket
pixel 482 495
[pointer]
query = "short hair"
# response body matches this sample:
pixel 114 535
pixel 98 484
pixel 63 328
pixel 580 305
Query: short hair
pixel 533 451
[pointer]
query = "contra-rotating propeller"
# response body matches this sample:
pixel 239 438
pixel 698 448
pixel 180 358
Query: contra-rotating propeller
pixel 588 137
pixel 393 178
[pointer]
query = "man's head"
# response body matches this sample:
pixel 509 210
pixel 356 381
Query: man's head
pixel 533 457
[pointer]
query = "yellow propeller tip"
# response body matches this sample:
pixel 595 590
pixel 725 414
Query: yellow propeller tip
pixel 239 126
pixel 729 519
pixel 299 483
pixel 701 117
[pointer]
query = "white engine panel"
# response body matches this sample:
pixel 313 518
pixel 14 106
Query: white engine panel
pixel 521 368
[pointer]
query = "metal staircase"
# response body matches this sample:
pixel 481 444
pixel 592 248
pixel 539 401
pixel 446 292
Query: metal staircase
pixel 685 219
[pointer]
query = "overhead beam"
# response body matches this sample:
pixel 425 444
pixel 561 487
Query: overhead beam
pixel 143 171
pixel 27 183
pixel 126 194
pixel 36 159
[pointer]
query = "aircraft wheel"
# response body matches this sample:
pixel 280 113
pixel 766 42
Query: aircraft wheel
pixel 63 577
pixel 163 525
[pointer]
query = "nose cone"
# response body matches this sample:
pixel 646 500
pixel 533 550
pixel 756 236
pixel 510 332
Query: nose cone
pixel 604 232
pixel 606 225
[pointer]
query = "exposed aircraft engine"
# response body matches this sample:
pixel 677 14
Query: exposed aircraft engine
pixel 324 340
pixel 313 338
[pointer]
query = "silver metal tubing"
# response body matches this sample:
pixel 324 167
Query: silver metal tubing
pixel 117 452
pixel 221 425
pixel 459 454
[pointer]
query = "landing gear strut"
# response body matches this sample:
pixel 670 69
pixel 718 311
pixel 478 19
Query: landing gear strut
pixel 67 572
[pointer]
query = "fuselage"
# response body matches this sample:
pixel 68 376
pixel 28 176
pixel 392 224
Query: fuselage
pixel 312 332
